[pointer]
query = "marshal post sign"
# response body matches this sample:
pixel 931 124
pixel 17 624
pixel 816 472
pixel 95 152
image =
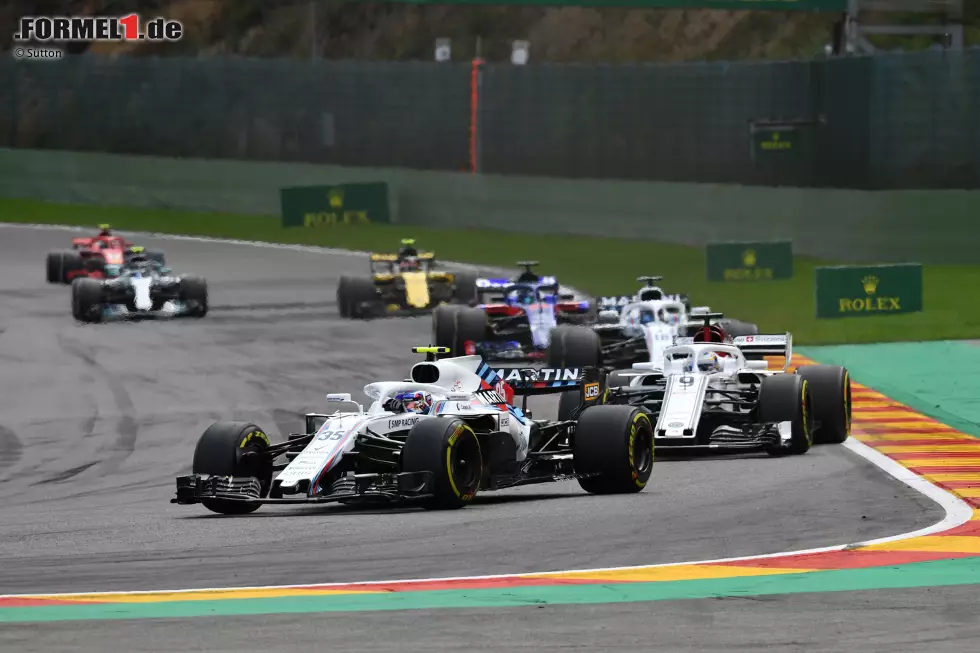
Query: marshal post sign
pixel 764 261
pixel 326 206
pixel 856 291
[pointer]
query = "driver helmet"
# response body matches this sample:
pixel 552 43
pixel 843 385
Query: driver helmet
pixel 708 361
pixel 409 263
pixel 104 231
pixel 647 316
pixel 415 402
pixel 521 296
pixel 669 317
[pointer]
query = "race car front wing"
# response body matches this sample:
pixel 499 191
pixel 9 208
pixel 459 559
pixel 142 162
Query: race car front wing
pixel 391 487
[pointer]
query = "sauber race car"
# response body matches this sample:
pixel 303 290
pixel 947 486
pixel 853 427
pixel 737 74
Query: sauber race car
pixel 718 392
pixel 441 437
pixel 403 281
pixel 514 320
pixel 143 287
pixel 98 256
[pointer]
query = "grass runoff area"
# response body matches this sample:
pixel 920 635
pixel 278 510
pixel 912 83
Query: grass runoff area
pixel 598 266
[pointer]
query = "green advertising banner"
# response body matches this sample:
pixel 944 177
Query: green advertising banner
pixel 763 261
pixel 775 141
pixel 854 291
pixel 829 6
pixel 324 206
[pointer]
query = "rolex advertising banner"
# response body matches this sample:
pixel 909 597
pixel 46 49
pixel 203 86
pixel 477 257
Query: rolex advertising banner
pixel 854 291
pixel 750 261
pixel 325 206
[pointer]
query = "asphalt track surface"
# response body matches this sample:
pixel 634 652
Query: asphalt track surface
pixel 96 421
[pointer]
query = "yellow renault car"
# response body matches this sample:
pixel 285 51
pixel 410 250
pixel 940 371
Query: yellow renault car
pixel 403 282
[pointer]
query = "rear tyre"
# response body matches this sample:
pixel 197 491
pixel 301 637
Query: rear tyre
pixel 574 346
pixel 87 300
pixel 360 297
pixel 737 328
pixel 454 325
pixel 786 398
pixel 614 446
pixel 568 404
pixel 55 266
pixel 464 288
pixel 60 264
pixel 95 264
pixel 194 294
pixel 450 450
pixel 343 305
pixel 221 452
pixel 619 379
pixel 830 388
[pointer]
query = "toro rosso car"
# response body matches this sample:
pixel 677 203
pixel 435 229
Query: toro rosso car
pixel 441 437
pixel 400 282
pixel 713 391
pixel 142 288
pixel 98 256
pixel 513 321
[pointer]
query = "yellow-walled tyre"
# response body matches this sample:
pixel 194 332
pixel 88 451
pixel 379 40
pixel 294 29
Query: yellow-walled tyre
pixel 613 449
pixel 787 398
pixel 221 452
pixel 830 387
pixel 450 450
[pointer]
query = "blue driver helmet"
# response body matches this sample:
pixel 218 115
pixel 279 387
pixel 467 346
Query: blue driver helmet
pixel 647 316
pixel 415 402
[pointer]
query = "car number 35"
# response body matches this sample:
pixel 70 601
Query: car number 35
pixel 331 435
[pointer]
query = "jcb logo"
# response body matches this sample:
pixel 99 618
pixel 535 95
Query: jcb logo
pixel 591 391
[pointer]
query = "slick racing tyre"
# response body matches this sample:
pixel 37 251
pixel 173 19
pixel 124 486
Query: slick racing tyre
pixel 194 295
pixel 830 387
pixel 221 452
pixel 574 346
pixel 450 450
pixel 357 297
pixel 60 264
pixel 453 326
pixel 787 398
pixel 95 264
pixel 87 300
pixel 613 448
pixel 464 289
pixel 737 328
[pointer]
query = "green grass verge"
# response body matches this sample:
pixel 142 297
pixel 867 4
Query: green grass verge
pixel 595 265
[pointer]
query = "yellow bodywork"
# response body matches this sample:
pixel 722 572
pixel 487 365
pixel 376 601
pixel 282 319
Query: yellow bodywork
pixel 416 289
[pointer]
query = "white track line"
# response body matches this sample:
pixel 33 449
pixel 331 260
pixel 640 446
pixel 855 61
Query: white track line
pixel 957 511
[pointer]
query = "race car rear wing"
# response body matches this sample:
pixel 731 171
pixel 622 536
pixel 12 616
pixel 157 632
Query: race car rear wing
pixel 758 347
pixel 527 381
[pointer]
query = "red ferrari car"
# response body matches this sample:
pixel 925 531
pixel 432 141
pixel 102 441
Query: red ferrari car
pixel 96 256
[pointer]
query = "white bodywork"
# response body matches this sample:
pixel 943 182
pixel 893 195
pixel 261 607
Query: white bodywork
pixel 687 388
pixel 542 320
pixel 658 334
pixel 459 392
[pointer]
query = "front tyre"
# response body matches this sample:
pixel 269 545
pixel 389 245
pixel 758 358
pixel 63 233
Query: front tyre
pixel 786 398
pixel 574 346
pixel 222 450
pixel 87 300
pixel 613 448
pixel 830 386
pixel 450 451
pixel 194 295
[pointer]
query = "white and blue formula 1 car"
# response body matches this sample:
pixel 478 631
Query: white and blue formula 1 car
pixel 713 391
pixel 141 287
pixel 442 436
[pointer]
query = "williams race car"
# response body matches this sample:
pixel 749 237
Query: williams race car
pixel 514 320
pixel 98 256
pixel 443 436
pixel 143 287
pixel 403 281
pixel 717 392
pixel 611 307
